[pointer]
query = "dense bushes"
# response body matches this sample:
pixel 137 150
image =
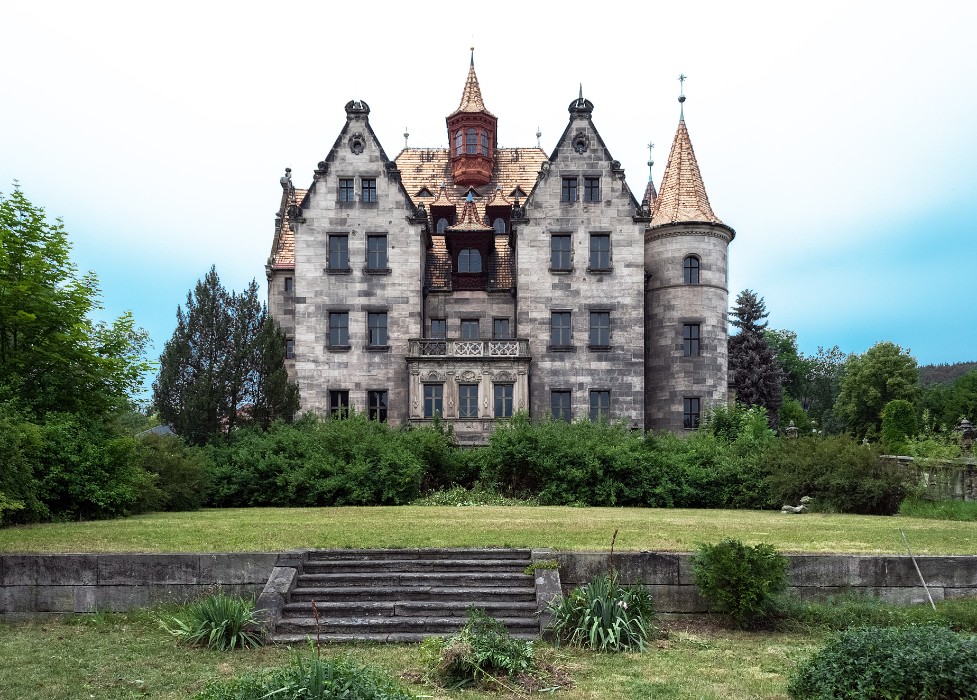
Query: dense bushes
pixel 926 663
pixel 743 582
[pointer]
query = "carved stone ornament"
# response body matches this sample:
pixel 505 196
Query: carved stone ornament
pixel 580 142
pixel 544 170
pixel 468 376
pixel 432 376
pixel 504 377
pixel 357 143
pixel 294 212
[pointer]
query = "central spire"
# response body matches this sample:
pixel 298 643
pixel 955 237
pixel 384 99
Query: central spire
pixel 472 135
pixel 471 96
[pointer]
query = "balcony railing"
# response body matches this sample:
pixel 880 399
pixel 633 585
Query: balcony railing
pixel 441 347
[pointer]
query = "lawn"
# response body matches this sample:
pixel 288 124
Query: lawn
pixel 561 528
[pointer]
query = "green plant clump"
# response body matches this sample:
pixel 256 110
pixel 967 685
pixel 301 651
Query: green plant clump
pixel 856 610
pixel 743 582
pixel 965 511
pixel 312 678
pixel 480 654
pixel 478 495
pixel 870 663
pixel 604 615
pixel 219 622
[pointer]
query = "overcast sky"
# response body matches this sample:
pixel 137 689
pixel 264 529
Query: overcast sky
pixel 838 138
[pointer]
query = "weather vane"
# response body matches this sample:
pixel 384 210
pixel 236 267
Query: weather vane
pixel 651 162
pixel 681 94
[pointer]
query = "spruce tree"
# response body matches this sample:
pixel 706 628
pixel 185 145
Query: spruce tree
pixel 753 367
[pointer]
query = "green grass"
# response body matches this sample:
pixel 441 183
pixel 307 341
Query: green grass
pixel 561 528
pixel 939 510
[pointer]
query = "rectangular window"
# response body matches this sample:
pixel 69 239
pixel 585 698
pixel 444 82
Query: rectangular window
pixel 569 191
pixel 500 328
pixel 339 403
pixel 339 252
pixel 346 192
pixel 560 252
pixel 560 328
pixel 600 251
pixel 377 327
pixel 339 329
pixel 369 185
pixel 600 328
pixel 691 408
pixel 376 252
pixel 468 400
pixel 485 143
pixel 439 328
pixel 600 403
pixel 560 404
pixel 591 189
pixel 469 329
pixel 376 405
pixel 503 400
pixel 690 339
pixel 289 349
pixel 433 400
pixel 289 285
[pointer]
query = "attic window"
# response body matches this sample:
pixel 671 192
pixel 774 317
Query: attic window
pixel 499 225
pixel 424 192
pixel 469 260
pixel 442 225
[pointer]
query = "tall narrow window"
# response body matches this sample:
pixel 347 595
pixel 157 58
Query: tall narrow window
pixel 377 326
pixel 569 191
pixel 560 252
pixel 690 270
pixel 339 329
pixel 442 225
pixel 468 400
pixel 503 400
pixel 459 142
pixel 691 408
pixel 289 349
pixel 690 339
pixel 376 405
pixel 369 185
pixel 469 260
pixel 376 252
pixel 500 328
pixel 471 142
pixel 339 252
pixel 433 400
pixel 346 192
pixel 439 328
pixel 600 251
pixel 600 328
pixel 600 403
pixel 560 404
pixel 591 189
pixel 289 285
pixel 469 329
pixel 499 225
pixel 339 403
pixel 485 143
pixel 560 328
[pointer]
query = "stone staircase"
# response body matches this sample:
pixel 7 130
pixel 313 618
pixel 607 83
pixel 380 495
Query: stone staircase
pixel 400 595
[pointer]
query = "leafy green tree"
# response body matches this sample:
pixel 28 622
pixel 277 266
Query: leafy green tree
pixel 53 355
pixel 222 368
pixel 794 367
pixel 827 368
pixel 948 404
pixel 755 373
pixel 899 424
pixel 884 373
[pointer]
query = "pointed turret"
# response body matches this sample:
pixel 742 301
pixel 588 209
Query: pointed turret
pixel 682 196
pixel 472 135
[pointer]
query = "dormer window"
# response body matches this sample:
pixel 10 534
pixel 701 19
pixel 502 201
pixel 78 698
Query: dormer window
pixel 469 260
pixel 499 225
pixel 471 142
pixel 442 225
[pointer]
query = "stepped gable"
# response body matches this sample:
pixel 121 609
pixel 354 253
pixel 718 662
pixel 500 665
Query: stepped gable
pixel 682 196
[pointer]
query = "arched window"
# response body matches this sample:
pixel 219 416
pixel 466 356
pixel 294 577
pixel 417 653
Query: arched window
pixel 459 143
pixel 469 260
pixel 485 143
pixel 690 269
pixel 471 142
pixel 499 225
pixel 442 225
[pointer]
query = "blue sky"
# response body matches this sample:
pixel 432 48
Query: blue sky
pixel 837 138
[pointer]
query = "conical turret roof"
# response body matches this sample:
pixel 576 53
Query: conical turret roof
pixel 682 195
pixel 471 96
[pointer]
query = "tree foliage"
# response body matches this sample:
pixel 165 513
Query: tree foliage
pixel 899 424
pixel 224 365
pixel 884 373
pixel 755 372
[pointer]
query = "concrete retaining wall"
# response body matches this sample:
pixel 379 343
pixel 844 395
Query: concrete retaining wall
pixel 80 583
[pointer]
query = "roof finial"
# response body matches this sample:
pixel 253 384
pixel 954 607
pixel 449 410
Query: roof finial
pixel 538 134
pixel 406 135
pixel 681 96
pixel 472 64
pixel 580 99
pixel 651 162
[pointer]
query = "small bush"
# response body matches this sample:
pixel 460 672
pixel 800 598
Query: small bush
pixel 604 615
pixel 219 622
pixel 869 663
pixel 481 653
pixel 181 478
pixel 310 679
pixel 743 582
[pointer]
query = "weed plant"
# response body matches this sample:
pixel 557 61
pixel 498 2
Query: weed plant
pixel 604 615
pixel 742 581
pixel 219 622
pixel 870 663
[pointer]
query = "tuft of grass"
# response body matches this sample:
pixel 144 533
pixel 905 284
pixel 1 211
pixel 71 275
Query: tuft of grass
pixel 964 511
pixel 220 622
pixel 853 610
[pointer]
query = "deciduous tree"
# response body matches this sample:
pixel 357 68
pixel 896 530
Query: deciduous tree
pixel 885 372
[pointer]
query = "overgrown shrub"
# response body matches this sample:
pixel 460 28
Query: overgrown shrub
pixel 838 473
pixel 219 622
pixel 604 615
pixel 180 474
pixel 899 424
pixel 741 581
pixel 312 678
pixel 869 663
pixel 480 654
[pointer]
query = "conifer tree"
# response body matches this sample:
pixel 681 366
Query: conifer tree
pixel 753 367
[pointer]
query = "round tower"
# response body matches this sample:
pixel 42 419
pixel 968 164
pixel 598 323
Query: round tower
pixel 687 296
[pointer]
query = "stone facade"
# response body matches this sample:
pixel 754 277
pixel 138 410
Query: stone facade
pixel 470 282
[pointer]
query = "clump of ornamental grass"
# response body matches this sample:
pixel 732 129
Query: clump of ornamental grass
pixel 220 622
pixel 604 615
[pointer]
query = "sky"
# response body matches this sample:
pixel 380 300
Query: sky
pixel 838 138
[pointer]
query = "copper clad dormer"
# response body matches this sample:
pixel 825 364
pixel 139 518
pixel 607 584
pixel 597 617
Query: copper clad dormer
pixel 472 136
pixel 682 195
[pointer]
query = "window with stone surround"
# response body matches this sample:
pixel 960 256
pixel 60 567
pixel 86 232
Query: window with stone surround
pixel 591 189
pixel 339 403
pixel 568 192
pixel 433 400
pixel 469 329
pixel 339 329
pixel 439 328
pixel 560 336
pixel 289 349
pixel 560 404
pixel 600 329
pixel 500 329
pixel 690 339
pixel 289 285
pixel 503 400
pixel 600 252
pixel 377 328
pixel 690 270
pixel 691 409
pixel 369 187
pixel 376 405
pixel 339 252
pixel 376 252
pixel 468 400
pixel 470 261
pixel 560 258
pixel 600 404
pixel 346 190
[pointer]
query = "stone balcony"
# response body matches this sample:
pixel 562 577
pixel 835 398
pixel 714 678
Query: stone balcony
pixel 447 348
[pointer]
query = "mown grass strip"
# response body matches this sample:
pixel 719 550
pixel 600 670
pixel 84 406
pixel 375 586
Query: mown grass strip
pixel 561 528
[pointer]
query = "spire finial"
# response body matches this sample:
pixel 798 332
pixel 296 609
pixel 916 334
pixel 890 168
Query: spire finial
pixel 406 135
pixel 538 134
pixel 581 92
pixel 681 96
pixel 651 162
pixel 472 64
